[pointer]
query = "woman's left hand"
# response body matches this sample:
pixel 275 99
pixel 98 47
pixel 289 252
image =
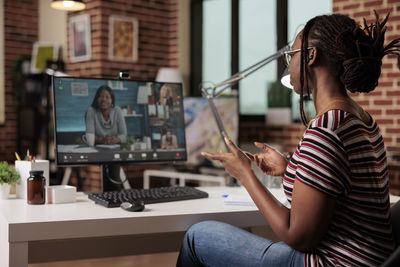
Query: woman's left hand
pixel 236 163
pixel 111 140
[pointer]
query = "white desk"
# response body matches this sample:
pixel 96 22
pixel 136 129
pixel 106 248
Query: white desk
pixel 83 229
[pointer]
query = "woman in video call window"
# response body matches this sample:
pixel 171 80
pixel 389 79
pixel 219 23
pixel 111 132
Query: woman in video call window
pixel 169 141
pixel 104 119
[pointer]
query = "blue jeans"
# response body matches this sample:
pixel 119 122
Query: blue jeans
pixel 212 243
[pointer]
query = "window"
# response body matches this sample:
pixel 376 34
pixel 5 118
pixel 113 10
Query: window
pixel 216 41
pixel 298 14
pixel 257 40
pixel 229 36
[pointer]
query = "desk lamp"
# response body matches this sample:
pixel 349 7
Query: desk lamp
pixel 285 80
pixel 169 75
pixel 211 92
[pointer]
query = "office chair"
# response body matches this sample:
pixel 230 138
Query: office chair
pixel 394 259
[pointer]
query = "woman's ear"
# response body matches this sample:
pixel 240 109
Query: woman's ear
pixel 312 56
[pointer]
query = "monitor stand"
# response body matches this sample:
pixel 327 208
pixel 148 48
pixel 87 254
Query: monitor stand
pixel 110 177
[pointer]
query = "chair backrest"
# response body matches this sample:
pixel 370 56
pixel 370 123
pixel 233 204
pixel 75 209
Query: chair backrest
pixel 394 259
pixel 395 210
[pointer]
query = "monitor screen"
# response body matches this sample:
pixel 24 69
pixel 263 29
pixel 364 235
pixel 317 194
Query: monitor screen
pixel 105 121
pixel 202 133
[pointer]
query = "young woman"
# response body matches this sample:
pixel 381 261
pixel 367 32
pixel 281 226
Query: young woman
pixel 104 120
pixel 337 179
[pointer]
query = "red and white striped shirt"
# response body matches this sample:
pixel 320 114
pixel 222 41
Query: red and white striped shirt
pixel 343 157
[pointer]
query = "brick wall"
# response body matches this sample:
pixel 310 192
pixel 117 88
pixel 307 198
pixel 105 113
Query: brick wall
pixel 158 29
pixel 384 102
pixel 20 32
pixel 157 38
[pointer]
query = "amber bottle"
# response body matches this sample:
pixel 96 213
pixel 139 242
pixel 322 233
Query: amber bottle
pixel 36 188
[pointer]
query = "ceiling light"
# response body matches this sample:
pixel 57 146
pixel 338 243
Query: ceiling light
pixel 75 5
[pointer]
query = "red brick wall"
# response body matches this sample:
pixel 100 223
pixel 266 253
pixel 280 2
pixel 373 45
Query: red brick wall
pixel 20 32
pixel 158 29
pixel 157 38
pixel 384 102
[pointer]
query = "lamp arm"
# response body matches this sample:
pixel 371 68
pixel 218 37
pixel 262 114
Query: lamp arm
pixel 210 92
pixel 235 78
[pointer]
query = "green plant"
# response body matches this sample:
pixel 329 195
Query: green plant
pixel 279 95
pixel 18 78
pixel 8 174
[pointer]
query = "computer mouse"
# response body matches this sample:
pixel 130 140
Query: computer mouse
pixel 133 205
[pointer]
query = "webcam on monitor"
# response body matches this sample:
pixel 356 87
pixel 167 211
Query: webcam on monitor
pixel 124 75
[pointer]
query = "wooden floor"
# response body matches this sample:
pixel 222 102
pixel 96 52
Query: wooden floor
pixel 149 260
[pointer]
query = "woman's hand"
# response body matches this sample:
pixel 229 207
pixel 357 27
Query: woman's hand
pixel 111 140
pixel 236 163
pixel 272 162
pixel 108 140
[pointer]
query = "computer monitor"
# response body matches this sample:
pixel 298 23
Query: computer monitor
pixel 202 133
pixel 111 122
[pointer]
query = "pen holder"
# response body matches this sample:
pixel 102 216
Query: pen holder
pixel 23 167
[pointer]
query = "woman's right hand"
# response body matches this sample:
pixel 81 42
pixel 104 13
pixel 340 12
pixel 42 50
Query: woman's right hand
pixel 272 162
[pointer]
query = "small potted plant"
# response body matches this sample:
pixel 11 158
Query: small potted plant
pixel 8 176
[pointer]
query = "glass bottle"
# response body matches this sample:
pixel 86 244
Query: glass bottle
pixel 36 187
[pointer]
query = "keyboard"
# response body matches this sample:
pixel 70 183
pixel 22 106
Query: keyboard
pixel 148 196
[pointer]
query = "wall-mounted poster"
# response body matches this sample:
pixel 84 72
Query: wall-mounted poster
pixel 41 52
pixel 80 42
pixel 123 38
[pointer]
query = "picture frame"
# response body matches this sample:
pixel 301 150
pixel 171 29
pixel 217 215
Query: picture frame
pixel 123 38
pixel 80 38
pixel 41 52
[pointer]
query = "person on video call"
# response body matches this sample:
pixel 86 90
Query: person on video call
pixel 337 179
pixel 168 141
pixel 104 119
pixel 166 96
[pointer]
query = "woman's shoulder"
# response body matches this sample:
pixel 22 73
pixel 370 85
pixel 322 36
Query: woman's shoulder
pixel 332 119
pixel 91 110
pixel 338 119
pixel 117 110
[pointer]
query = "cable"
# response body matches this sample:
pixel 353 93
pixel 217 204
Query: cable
pixel 107 173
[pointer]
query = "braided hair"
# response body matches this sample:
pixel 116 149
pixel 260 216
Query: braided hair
pixel 354 54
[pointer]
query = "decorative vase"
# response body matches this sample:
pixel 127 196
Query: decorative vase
pixel 4 191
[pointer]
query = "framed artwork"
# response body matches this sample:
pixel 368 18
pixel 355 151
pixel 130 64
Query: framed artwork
pixel 123 38
pixel 41 52
pixel 80 39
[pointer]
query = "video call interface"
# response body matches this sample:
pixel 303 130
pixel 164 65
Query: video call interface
pixel 117 121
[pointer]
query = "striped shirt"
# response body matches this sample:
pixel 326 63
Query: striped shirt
pixel 343 157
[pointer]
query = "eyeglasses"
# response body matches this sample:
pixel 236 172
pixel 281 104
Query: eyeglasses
pixel 289 54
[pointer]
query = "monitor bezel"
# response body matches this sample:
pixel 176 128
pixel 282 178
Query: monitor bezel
pixel 121 162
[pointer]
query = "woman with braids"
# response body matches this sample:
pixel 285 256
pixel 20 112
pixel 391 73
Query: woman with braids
pixel 337 179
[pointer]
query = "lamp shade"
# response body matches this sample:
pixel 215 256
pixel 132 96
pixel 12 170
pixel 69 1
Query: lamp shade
pixel 74 5
pixel 285 80
pixel 169 75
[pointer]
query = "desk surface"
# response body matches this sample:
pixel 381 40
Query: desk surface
pixel 67 228
pixel 26 222
pixel 21 224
